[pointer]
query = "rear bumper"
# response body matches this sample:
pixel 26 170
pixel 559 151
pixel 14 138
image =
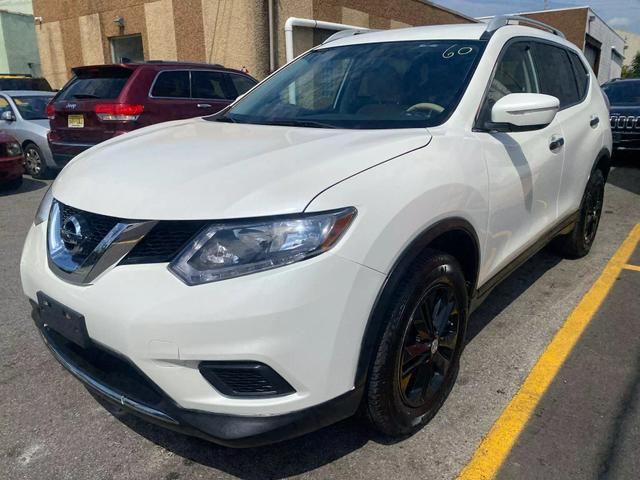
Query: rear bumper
pixel 158 408
pixel 11 168
pixel 64 152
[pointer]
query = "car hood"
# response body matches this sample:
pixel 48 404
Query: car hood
pixel 199 169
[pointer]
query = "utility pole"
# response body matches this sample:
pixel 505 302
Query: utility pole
pixel 546 4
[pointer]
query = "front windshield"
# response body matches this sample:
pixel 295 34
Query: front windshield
pixel 376 85
pixel 623 93
pixel 32 107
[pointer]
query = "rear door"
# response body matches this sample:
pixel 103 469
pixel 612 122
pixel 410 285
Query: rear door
pixel 563 75
pixel 75 119
pixel 170 97
pixel 211 91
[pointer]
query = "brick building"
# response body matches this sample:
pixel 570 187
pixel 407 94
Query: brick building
pixel 235 33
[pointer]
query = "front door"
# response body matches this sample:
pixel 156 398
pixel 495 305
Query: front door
pixel 524 168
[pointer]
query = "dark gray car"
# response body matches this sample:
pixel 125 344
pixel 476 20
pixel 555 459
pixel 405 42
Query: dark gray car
pixel 23 115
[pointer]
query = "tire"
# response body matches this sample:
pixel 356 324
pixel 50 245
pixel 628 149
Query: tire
pixel 34 162
pixel 578 242
pixel 396 401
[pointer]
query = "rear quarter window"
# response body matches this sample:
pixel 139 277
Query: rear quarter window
pixel 582 74
pixel 242 84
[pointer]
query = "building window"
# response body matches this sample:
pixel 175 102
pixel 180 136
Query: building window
pixel 127 49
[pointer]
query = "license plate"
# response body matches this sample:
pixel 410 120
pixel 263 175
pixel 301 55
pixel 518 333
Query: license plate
pixel 63 320
pixel 75 121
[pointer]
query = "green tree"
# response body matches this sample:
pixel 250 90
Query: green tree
pixel 633 70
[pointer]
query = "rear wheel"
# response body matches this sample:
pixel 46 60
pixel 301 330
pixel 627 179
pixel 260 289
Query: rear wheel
pixel 34 162
pixel 578 242
pixel 417 360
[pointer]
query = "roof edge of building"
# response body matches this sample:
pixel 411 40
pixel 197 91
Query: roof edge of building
pixel 449 10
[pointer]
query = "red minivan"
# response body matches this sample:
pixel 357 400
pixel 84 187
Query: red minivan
pixel 103 101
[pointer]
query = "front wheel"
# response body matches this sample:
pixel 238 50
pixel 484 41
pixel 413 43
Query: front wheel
pixel 578 242
pixel 417 360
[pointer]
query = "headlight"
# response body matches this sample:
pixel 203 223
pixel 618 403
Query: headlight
pixel 13 149
pixel 227 250
pixel 42 214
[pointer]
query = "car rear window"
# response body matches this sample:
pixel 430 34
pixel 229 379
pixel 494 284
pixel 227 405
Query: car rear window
pixel 98 84
pixel 24 84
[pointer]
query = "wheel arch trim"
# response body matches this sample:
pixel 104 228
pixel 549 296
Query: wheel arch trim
pixel 375 322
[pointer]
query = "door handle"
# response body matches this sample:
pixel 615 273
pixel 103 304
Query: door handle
pixel 203 105
pixel 557 142
pixel 595 121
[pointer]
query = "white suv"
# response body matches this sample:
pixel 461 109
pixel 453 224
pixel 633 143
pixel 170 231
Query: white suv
pixel 317 247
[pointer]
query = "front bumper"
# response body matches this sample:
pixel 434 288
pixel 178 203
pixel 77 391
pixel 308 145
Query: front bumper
pixel 154 406
pixel 304 320
pixel 626 140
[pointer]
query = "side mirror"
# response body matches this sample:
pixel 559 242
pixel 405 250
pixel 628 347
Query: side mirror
pixel 519 112
pixel 8 116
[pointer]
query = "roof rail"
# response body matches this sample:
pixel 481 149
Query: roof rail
pixel 504 20
pixel 346 33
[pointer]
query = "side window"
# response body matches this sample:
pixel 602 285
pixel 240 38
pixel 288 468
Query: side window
pixel 4 106
pixel 211 85
pixel 513 74
pixel 555 73
pixel 172 84
pixel 241 84
pixel 582 74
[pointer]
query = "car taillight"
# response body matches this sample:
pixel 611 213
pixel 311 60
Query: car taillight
pixel 51 111
pixel 118 112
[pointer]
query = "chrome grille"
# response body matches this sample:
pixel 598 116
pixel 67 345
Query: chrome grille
pixel 622 122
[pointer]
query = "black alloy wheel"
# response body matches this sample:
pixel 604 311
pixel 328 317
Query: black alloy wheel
pixel 423 312
pixel 429 345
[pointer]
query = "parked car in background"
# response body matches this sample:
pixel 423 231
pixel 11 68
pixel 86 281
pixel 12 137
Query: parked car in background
pixel 11 162
pixel 23 82
pixel 23 115
pixel 101 102
pixel 624 100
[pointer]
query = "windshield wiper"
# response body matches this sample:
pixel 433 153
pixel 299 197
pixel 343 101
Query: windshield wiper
pixel 301 123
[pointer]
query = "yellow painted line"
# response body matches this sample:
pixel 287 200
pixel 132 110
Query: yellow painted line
pixel 632 267
pixel 495 447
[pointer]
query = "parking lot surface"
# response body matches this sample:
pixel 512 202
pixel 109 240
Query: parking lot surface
pixel 586 425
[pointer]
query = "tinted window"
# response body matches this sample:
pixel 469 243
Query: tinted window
pixel 513 74
pixel 623 93
pixel 210 85
pixel 24 84
pixel 555 73
pixel 32 107
pixel 582 74
pixel 242 84
pixel 407 84
pixel 103 84
pixel 4 106
pixel 173 84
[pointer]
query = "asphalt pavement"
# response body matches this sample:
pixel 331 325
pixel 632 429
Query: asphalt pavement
pixel 52 428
